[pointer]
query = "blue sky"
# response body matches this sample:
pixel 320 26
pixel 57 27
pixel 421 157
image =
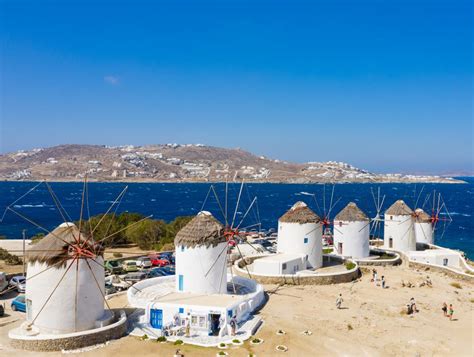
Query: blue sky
pixel 384 85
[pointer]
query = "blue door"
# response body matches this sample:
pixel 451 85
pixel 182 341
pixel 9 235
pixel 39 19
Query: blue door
pixel 156 318
pixel 180 283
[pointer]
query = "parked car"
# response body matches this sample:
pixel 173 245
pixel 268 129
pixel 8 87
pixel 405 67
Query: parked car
pixel 117 282
pixel 155 273
pixel 19 304
pixel 113 266
pixel 169 269
pixel 169 256
pixel 110 289
pixel 268 245
pixel 3 281
pixel 129 266
pixel 135 277
pixel 159 262
pixel 144 263
pixel 19 283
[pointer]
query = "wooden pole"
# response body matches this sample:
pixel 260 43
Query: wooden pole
pixel 24 237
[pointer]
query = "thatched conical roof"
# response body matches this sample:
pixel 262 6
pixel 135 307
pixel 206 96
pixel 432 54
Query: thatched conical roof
pixel 202 230
pixel 351 213
pixel 422 216
pixel 55 247
pixel 300 213
pixel 399 208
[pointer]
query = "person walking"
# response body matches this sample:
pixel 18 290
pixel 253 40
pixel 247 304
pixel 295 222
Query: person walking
pixel 375 276
pixel 445 309
pixel 339 301
pixel 383 282
pixel 233 325
pixel 451 312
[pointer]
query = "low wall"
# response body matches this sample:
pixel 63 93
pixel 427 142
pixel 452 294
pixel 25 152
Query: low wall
pixel 396 260
pixel 298 279
pixel 437 268
pixel 70 341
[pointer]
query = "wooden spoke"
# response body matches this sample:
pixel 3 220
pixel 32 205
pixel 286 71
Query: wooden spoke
pixel 215 261
pixel 120 196
pixel 38 226
pixel 97 283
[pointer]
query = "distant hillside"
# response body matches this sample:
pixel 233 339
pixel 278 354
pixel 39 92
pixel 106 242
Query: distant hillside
pixel 179 163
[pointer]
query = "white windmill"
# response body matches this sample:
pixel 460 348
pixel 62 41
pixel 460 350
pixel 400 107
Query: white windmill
pixel 65 277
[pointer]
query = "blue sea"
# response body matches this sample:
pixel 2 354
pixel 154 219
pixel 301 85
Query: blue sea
pixel 169 200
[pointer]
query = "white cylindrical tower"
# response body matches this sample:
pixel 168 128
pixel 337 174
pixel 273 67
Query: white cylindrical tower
pixel 62 295
pixel 423 227
pixel 399 232
pixel 351 232
pixel 300 232
pixel 201 256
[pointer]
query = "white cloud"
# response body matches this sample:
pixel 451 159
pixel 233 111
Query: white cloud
pixel 113 80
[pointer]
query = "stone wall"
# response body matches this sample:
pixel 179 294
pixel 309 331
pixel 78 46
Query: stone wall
pixel 72 341
pixel 297 279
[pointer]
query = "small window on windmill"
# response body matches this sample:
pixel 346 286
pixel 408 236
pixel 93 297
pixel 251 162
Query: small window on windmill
pixel 391 218
pixel 340 223
pixel 182 248
pixel 305 240
pixel 283 266
pixel 181 310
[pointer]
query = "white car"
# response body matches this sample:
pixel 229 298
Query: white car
pixel 18 282
pixel 144 263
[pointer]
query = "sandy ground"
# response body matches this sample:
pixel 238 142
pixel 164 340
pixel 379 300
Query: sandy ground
pixel 370 323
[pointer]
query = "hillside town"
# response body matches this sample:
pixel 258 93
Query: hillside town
pixel 181 163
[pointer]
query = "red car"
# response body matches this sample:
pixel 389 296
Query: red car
pixel 159 262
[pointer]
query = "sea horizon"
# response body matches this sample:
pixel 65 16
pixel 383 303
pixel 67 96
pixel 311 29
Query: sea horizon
pixel 167 201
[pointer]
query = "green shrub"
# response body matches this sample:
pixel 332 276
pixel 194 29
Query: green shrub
pixel 235 341
pixel 327 250
pixel 10 259
pixel 350 265
pixel 349 327
pixel 13 260
pixel 144 337
pixel 161 339
pixel 178 342
pixel 117 255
